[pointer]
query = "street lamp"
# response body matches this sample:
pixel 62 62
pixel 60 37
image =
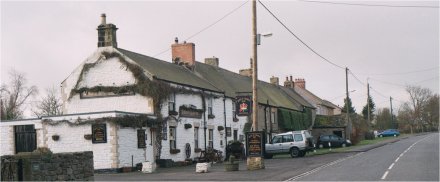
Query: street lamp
pixel 268 34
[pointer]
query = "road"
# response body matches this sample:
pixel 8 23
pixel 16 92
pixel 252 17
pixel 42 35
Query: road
pixel 412 159
pixel 415 158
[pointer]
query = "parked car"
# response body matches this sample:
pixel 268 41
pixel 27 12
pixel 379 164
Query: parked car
pixel 389 132
pixel 295 143
pixel 332 141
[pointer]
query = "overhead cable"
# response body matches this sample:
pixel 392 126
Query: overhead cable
pixel 370 5
pixel 207 27
pixel 299 39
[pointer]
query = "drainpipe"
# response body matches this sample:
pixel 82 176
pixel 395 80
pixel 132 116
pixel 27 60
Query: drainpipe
pixel 204 117
pixel 224 116
pixel 265 121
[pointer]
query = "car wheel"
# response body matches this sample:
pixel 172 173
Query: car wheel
pixel 344 145
pixel 321 146
pixel 395 135
pixel 294 152
pixel 380 136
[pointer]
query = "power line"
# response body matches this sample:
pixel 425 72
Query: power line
pixel 370 5
pixel 357 78
pixel 207 27
pixel 305 44
pixel 402 73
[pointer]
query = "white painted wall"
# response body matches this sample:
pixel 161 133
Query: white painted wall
pixel 7 137
pixel 128 147
pixel 105 72
pixel 72 140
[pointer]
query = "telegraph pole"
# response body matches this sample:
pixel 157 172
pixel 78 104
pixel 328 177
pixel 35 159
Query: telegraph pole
pixel 368 103
pixel 348 135
pixel 254 67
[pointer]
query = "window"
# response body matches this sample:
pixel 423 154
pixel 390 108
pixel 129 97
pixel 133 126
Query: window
pixel 172 138
pixel 235 135
pixel 141 137
pixel 211 138
pixel 196 137
pixel 277 139
pixel 210 106
pixel 298 137
pixel 233 111
pixel 272 117
pixel 287 138
pixel 172 102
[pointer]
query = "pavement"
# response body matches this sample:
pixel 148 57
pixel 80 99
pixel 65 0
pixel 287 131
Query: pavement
pixel 277 169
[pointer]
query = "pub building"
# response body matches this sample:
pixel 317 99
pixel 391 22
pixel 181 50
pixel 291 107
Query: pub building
pixel 129 108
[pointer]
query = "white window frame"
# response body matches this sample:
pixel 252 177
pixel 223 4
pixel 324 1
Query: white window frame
pixel 196 137
pixel 210 100
pixel 173 137
pixel 211 138
pixel 172 102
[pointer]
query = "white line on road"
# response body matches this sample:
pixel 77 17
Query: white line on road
pixel 392 165
pixel 321 167
pixel 385 175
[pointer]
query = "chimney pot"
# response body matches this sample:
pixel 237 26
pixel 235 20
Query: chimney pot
pixel 103 21
pixel 176 40
pixel 291 78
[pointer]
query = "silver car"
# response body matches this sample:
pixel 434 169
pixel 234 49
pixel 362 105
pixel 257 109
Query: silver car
pixel 295 143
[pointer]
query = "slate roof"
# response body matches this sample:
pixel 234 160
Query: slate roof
pixel 217 79
pixel 167 71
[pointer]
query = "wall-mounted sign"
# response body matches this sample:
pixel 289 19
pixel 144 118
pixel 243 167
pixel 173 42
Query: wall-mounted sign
pixel 243 105
pixel 255 143
pixel 99 133
pixel 190 113
pixel 141 137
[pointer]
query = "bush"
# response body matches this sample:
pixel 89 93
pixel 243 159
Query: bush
pixel 369 135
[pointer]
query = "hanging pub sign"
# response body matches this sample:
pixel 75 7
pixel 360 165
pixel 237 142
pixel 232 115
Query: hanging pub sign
pixel 99 133
pixel 255 143
pixel 141 139
pixel 243 105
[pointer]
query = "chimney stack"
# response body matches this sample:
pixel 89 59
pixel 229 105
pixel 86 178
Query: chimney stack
pixel 288 83
pixel 300 82
pixel 212 61
pixel 275 80
pixel 106 33
pixel 183 53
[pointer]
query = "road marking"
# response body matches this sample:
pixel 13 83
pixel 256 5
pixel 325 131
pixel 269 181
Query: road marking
pixel 321 167
pixel 385 175
pixel 403 153
pixel 391 166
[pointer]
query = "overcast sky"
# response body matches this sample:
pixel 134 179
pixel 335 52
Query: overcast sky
pixel 393 46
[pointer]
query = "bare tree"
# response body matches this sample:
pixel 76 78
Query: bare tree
pixel 418 99
pixel 49 105
pixel 14 95
pixel 431 112
pixel 383 119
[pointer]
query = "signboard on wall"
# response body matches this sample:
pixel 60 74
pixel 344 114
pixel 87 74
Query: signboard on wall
pixel 243 105
pixel 99 133
pixel 255 143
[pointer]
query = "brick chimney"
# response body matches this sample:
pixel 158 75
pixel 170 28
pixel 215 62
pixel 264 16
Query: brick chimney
pixel 106 33
pixel 246 72
pixel 300 82
pixel 183 53
pixel 289 83
pixel 212 61
pixel 275 80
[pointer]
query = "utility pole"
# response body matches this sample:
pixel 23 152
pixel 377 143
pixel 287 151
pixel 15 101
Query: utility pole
pixel 368 103
pixel 254 67
pixel 391 110
pixel 348 135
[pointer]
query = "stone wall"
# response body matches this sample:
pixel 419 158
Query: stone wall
pixel 38 166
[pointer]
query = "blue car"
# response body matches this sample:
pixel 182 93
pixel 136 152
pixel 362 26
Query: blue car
pixel 389 132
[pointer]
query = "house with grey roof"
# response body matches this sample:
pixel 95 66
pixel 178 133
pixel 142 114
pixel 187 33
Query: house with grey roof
pixel 128 108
